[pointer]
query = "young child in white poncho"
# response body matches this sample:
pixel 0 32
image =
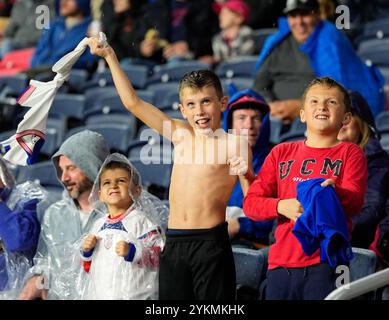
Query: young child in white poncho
pixel 122 251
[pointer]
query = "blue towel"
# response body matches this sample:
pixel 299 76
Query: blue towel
pixel 323 223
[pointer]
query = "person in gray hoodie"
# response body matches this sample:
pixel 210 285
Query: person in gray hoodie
pixel 77 163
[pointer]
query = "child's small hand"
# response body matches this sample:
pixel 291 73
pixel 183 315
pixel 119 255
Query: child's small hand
pixel 290 208
pixel 122 248
pixel 328 182
pixel 238 166
pixel 90 242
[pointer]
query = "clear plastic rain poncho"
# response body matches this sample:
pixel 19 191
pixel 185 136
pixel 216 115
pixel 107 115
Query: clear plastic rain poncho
pixel 21 199
pixel 143 224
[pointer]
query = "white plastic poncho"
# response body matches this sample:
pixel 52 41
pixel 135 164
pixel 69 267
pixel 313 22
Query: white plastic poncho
pixel 136 276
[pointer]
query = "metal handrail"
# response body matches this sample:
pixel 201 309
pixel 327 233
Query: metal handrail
pixel 361 286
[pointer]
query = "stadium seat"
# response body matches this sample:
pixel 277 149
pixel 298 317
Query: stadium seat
pixel 251 267
pixel 155 175
pixel 382 122
pixel 260 36
pixel 363 263
pixel 94 94
pixel 55 134
pixel 240 67
pixel 298 127
pixel 376 29
pixel 69 105
pixel 137 74
pixel 161 90
pixel 106 104
pixel 42 172
pixel 13 85
pixel 375 51
pixel 113 118
pixel 275 130
pixel 385 141
pixel 169 101
pixel 77 80
pixel 240 83
pixel 118 136
pixel 174 72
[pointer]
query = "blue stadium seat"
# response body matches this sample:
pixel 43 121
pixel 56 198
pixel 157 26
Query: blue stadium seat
pixel 118 136
pixel 13 85
pixel 106 104
pixel 161 91
pixel 69 105
pixel 137 74
pixel 382 122
pixel 146 95
pixel 171 73
pixel 377 29
pixel 385 141
pixel 75 130
pixel 240 83
pixel 155 175
pixel 240 67
pixel 77 80
pixel 94 94
pixel 275 130
pixel 107 100
pixel 375 51
pixel 363 263
pixel 124 119
pixel 169 101
pixel 6 134
pixel 55 134
pixel 42 172
pixel 251 267
pixel 298 127
pixel 260 36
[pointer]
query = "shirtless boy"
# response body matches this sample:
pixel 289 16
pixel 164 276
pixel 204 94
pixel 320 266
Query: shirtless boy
pixel 197 261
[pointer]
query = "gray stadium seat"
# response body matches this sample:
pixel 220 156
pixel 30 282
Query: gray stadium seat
pixel 251 267
pixel 363 263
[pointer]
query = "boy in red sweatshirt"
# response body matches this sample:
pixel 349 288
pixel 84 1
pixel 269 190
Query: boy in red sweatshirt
pixel 292 274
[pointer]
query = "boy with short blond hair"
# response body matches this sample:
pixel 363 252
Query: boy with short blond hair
pixel 292 273
pixel 197 261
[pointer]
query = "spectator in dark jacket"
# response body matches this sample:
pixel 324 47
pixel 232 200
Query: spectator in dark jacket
pixel 362 131
pixel 120 22
pixel 187 26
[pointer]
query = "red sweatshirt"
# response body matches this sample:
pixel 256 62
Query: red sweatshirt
pixel 285 166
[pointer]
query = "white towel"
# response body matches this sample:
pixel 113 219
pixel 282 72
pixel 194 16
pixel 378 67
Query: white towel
pixel 23 147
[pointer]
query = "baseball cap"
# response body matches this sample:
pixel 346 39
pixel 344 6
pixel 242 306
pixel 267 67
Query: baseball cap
pixel 303 5
pixel 247 98
pixel 238 6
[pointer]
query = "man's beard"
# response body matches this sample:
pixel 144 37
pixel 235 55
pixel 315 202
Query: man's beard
pixel 80 188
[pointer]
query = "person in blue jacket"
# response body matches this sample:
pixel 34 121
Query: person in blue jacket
pixel 306 47
pixel 19 229
pixel 247 110
pixel 64 34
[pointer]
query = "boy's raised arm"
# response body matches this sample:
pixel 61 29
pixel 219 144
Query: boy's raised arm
pixel 146 112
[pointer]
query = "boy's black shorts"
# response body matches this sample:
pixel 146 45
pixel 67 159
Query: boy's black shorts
pixel 197 264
